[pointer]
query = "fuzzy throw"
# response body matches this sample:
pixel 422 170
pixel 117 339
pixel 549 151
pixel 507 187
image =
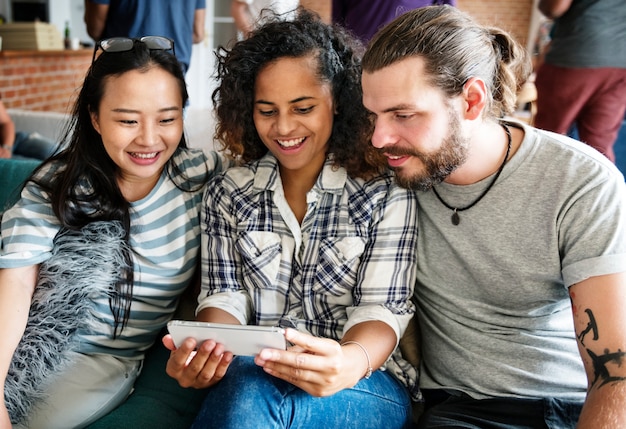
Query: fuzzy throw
pixel 84 264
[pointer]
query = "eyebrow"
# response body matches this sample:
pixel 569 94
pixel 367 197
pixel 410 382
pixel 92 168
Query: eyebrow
pixel 399 107
pixel 295 100
pixel 165 109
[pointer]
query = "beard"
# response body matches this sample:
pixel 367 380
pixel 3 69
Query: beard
pixel 436 166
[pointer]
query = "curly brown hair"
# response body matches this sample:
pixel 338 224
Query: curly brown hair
pixel 338 55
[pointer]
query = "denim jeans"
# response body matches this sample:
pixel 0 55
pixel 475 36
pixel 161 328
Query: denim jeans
pixel 34 146
pixel 247 397
pixel 498 413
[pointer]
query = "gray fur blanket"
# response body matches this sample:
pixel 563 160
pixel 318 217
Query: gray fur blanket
pixel 84 264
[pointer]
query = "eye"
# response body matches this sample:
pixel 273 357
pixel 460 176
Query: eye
pixel 404 116
pixel 128 121
pixel 304 110
pixel 266 112
pixel 167 120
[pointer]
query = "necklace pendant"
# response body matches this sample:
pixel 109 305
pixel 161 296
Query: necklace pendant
pixel 456 219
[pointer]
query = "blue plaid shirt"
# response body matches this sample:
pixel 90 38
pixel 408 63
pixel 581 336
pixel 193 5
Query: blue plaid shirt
pixel 353 258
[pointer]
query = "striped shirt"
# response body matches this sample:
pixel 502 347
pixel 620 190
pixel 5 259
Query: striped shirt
pixel 353 258
pixel 164 235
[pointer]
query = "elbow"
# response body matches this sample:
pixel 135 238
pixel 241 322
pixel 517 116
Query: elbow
pixel 198 37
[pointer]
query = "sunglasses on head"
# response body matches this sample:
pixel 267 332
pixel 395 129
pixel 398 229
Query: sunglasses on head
pixel 124 44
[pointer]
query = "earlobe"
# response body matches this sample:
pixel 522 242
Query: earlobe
pixel 94 121
pixel 475 96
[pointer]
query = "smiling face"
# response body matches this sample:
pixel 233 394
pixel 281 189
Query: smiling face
pixel 293 115
pixel 416 125
pixel 140 119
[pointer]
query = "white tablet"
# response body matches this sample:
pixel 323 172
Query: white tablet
pixel 243 340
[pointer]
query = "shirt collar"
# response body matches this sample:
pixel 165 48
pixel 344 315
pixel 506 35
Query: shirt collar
pixel 331 179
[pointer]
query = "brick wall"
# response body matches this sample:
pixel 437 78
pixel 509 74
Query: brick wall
pixel 42 80
pixel 511 15
pixel 48 81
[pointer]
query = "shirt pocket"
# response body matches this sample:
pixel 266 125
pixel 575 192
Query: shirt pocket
pixel 338 266
pixel 260 255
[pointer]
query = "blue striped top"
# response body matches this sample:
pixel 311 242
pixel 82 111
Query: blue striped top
pixel 165 238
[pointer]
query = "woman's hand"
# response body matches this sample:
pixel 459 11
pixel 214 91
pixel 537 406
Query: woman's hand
pixel 319 366
pixel 199 368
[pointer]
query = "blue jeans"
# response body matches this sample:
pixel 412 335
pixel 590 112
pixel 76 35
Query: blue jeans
pixel 498 413
pixel 247 397
pixel 34 146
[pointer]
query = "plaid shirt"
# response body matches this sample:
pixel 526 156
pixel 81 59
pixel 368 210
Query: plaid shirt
pixel 353 258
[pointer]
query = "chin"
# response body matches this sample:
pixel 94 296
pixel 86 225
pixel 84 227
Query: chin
pixel 417 181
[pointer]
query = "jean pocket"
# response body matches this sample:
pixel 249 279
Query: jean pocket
pixel 559 414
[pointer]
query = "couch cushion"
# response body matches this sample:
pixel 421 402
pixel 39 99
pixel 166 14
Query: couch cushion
pixel 48 124
pixel 157 402
pixel 13 174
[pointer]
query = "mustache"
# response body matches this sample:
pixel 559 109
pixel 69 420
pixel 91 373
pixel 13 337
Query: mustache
pixel 400 151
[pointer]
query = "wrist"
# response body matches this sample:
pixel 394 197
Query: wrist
pixel 369 370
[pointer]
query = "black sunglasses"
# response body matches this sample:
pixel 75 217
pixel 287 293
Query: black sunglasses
pixel 124 44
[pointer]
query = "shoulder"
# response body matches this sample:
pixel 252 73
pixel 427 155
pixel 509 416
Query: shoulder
pixel 566 170
pixel 199 161
pixel 237 178
pixel 572 156
pixel 381 190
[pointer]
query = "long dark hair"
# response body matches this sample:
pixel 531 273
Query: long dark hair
pixel 338 56
pixel 83 188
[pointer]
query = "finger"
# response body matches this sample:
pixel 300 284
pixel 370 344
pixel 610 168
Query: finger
pixel 313 382
pixel 299 368
pixel 186 363
pixel 214 370
pixel 180 356
pixel 315 345
pixel 168 342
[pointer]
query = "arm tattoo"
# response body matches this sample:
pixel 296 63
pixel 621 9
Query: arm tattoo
pixel 591 326
pixel 602 364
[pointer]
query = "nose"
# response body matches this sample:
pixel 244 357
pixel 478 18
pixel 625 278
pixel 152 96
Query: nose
pixel 383 134
pixel 284 124
pixel 148 135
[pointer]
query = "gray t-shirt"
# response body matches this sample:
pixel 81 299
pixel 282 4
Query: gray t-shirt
pixel 492 295
pixel 590 34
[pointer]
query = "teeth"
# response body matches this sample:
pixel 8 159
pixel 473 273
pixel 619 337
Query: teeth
pixel 393 157
pixel 144 155
pixel 290 143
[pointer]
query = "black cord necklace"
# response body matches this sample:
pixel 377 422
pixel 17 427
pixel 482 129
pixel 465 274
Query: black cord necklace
pixel 456 219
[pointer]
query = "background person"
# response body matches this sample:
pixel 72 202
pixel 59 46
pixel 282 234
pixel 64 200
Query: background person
pixel 102 243
pixel 582 79
pixel 248 14
pixel 180 20
pixel 365 17
pixel 522 233
pixel 310 234
pixel 18 144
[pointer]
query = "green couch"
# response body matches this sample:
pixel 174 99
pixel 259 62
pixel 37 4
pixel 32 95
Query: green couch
pixel 157 402
pixel 13 173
